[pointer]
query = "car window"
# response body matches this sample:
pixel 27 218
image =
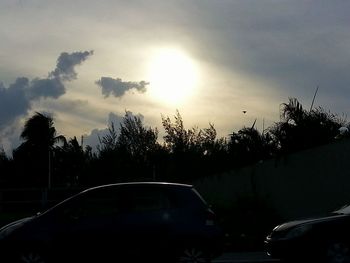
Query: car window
pixel 188 197
pixel 92 203
pixel 140 200
pixel 97 206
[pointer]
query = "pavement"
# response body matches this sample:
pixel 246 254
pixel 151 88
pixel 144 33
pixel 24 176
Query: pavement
pixel 245 257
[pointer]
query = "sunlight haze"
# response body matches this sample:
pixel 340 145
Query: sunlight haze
pixel 85 60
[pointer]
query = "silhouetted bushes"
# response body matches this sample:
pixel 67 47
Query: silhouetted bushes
pixel 132 152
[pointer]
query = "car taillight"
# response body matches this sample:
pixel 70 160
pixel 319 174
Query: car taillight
pixel 210 218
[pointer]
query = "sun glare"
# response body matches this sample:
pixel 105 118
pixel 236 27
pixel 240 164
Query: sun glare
pixel 172 75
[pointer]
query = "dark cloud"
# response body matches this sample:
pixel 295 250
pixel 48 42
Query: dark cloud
pixel 47 88
pixel 13 101
pixel 16 100
pixel 66 63
pixel 53 86
pixel 117 87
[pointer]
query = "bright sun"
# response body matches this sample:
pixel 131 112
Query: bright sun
pixel 172 75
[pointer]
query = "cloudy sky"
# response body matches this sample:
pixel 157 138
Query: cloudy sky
pixel 89 62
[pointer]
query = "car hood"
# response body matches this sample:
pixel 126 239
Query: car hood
pixel 314 220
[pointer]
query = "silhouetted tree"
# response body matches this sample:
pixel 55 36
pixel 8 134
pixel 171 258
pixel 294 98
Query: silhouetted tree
pixel 192 151
pixel 300 129
pixel 105 166
pixel 248 146
pixel 39 132
pixel 129 153
pixel 3 156
pixel 5 168
pixel 70 162
pixel 177 139
pixel 108 143
pixel 132 152
pixel 293 112
pixel 139 144
pixel 137 140
pixel 35 153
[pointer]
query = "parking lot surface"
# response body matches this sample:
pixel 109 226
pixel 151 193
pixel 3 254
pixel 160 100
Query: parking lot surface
pixel 245 257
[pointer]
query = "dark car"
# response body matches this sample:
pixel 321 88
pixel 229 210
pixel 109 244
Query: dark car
pixel 320 239
pixel 129 222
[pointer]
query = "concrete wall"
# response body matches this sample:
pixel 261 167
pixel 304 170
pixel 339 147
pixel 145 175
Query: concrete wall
pixel 307 183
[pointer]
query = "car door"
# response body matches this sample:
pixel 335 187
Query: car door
pixel 90 224
pixel 146 219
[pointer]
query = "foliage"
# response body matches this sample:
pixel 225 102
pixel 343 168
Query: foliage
pixel 3 156
pixel 248 146
pixel 127 153
pixel 132 152
pixel 5 166
pixel 193 151
pixel 300 129
pixel 135 139
pixel 109 141
pixel 179 140
pixel 69 162
pixel 34 154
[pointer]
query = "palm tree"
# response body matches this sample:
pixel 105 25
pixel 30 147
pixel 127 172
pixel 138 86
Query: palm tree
pixel 293 112
pixel 39 132
pixel 300 129
pixel 40 138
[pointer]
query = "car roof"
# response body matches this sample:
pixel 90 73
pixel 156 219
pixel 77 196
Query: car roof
pixel 126 185
pixel 139 184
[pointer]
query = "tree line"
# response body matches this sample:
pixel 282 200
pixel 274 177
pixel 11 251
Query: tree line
pixel 132 151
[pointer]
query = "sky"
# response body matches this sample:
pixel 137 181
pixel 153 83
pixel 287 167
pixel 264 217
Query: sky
pixel 88 63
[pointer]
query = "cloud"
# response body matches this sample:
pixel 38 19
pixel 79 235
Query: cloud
pixel 10 136
pixel 53 86
pixel 13 101
pixel 292 45
pixel 118 87
pixel 17 99
pixel 46 88
pixel 66 63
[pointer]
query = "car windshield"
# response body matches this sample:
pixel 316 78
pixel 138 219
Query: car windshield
pixel 343 210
